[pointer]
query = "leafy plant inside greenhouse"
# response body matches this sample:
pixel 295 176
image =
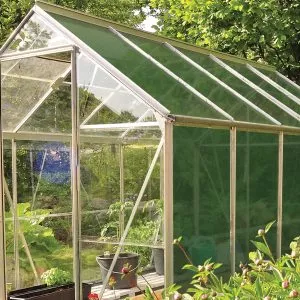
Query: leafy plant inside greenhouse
pixel 261 277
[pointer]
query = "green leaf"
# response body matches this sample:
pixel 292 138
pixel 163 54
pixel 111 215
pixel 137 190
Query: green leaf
pixel 190 267
pixel 269 225
pixel 262 247
pixel 277 274
pixel 258 288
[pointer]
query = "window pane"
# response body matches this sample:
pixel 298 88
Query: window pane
pixel 205 85
pixel 291 191
pixel 201 195
pixel 242 87
pixel 36 34
pixel 157 83
pixel 24 84
pixel 256 203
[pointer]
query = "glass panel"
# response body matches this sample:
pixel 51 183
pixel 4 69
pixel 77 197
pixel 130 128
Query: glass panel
pixel 201 195
pixel 104 100
pixel 24 84
pixel 291 191
pixel 54 115
pixel 242 69
pixel 112 175
pixel 207 86
pixel 157 83
pixel 242 87
pixel 45 233
pixel 286 85
pixel 36 34
pixel 256 187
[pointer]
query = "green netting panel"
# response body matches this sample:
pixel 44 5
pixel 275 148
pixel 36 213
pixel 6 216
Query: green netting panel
pixel 242 69
pixel 207 86
pixel 285 84
pixel 291 191
pixel 36 34
pixel 157 83
pixel 256 189
pixel 201 194
pixel 242 87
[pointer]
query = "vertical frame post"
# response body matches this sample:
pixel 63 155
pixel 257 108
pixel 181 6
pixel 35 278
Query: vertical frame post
pixel 279 195
pixel 15 214
pixel 2 214
pixel 122 198
pixel 75 175
pixel 232 198
pixel 168 203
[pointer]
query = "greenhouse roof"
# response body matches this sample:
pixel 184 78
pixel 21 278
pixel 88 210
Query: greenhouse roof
pixel 175 79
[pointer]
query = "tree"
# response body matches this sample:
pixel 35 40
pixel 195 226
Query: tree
pixel 124 11
pixel 264 31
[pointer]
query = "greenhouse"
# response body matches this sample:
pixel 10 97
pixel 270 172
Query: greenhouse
pixel 117 141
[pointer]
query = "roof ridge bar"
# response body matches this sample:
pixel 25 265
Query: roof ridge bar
pixel 288 80
pixel 256 88
pixel 41 100
pixel 274 84
pixel 106 65
pixel 223 84
pixel 171 74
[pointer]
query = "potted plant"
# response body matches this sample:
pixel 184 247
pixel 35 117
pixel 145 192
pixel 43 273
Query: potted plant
pixel 124 272
pixel 157 206
pixel 57 286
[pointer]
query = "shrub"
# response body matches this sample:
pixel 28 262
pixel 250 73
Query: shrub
pixel 56 276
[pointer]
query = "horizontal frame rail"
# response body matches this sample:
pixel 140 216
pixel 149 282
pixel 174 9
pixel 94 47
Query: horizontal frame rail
pixel 227 124
pixel 36 52
pixel 121 126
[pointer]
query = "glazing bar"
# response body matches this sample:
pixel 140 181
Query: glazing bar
pixel 279 194
pixel 288 80
pixel 75 177
pixel 256 88
pixel 274 84
pixel 223 84
pixel 168 205
pixel 2 214
pixel 35 52
pixel 171 74
pixel 120 126
pixel 232 198
pixel 15 208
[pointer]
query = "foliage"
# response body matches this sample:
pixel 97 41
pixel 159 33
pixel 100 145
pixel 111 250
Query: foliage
pixel 264 277
pixel 38 237
pixel 265 31
pixel 56 276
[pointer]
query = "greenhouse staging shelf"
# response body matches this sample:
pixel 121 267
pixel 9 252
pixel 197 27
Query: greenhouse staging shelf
pixel 156 282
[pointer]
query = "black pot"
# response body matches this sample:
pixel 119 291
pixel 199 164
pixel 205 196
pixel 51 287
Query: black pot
pixel 159 260
pixel 123 281
pixel 44 292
